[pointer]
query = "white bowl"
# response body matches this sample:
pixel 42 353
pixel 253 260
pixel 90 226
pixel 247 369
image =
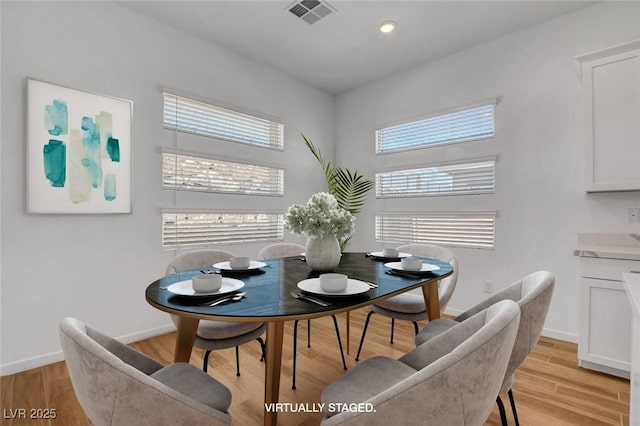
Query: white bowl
pixel 206 283
pixel 411 264
pixel 239 262
pixel 390 252
pixel 333 283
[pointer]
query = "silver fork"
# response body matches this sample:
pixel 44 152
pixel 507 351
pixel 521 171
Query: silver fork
pixel 233 297
pixel 309 299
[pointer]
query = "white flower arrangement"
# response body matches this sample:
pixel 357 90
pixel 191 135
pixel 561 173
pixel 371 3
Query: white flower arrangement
pixel 321 216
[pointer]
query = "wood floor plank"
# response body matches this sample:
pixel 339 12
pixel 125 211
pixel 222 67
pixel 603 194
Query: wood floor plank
pixel 550 388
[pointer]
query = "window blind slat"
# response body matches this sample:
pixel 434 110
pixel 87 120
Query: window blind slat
pixel 460 229
pixel 471 123
pixel 204 174
pixel 188 115
pixel 188 229
pixel 467 178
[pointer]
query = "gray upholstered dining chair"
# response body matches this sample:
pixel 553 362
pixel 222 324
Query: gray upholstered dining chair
pixel 451 380
pixel 533 295
pixel 215 335
pixel 117 385
pixel 410 306
pixel 277 250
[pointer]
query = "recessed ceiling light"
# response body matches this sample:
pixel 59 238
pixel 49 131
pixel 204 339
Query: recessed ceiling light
pixel 387 27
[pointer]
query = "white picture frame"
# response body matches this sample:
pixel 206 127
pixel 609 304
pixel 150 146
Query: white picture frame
pixel 78 151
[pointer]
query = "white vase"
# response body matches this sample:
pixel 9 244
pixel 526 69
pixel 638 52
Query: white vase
pixel 322 253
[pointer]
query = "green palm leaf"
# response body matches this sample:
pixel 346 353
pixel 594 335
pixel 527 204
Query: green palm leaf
pixel 349 188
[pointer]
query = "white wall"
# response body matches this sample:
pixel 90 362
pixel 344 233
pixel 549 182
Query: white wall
pixel 96 267
pixel 539 194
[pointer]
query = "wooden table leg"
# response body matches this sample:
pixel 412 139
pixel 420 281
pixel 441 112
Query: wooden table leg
pixel 431 299
pixel 275 333
pixel 187 328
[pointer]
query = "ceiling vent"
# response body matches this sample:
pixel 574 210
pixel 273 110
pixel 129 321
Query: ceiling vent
pixel 310 11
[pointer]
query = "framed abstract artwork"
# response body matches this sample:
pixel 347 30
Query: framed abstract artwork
pixel 78 151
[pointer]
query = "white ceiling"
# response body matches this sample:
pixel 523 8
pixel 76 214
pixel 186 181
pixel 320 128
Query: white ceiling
pixel 344 50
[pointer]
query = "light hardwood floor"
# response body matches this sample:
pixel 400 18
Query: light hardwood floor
pixel 550 388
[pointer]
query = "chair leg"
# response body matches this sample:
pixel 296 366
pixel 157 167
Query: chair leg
pixel 364 332
pixel 308 333
pixel 205 363
pixel 415 327
pixel 237 361
pixel 513 407
pixel 335 324
pixel 393 324
pixel 262 347
pixel 295 346
pixel 503 414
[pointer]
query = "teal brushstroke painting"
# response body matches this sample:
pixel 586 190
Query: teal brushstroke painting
pixel 113 149
pixel 110 187
pixel 55 162
pixel 56 118
pixel 91 144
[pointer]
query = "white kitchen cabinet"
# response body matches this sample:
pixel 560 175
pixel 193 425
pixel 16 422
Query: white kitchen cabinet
pixel 605 325
pixel 611 82
pixel 631 284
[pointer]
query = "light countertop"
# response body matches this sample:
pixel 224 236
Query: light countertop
pixel 611 246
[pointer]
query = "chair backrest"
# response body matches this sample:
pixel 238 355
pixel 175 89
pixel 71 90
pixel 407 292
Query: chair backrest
pixel 197 259
pixel 277 250
pixel 446 285
pixel 533 294
pixel 112 383
pixel 458 379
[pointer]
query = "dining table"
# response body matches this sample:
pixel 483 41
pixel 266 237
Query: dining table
pixel 269 298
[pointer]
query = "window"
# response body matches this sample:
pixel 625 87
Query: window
pixel 458 229
pixel 450 179
pixel 466 124
pixel 188 115
pixel 201 228
pixel 197 173
pixel 188 171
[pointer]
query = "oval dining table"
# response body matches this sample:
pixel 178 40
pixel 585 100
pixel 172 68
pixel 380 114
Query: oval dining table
pixel 268 299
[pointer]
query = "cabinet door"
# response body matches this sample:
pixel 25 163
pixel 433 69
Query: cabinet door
pixel 605 333
pixel 612 132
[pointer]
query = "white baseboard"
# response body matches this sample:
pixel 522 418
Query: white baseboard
pixel 560 335
pixel 40 360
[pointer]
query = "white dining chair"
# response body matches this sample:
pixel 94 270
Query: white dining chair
pixel 410 306
pixel 279 250
pixel 215 335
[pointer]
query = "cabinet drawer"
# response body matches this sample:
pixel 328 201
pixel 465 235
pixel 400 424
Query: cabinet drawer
pixel 607 269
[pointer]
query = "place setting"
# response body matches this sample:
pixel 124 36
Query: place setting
pixel 411 267
pixel 322 289
pixel 387 254
pixel 239 265
pixel 207 289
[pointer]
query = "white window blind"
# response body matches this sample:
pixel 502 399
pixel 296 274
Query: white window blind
pixel 458 229
pixel 461 125
pixel 188 115
pixel 451 179
pixel 196 173
pixel 204 228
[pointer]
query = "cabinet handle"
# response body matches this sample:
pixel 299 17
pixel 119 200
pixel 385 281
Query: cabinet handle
pixel 635 272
